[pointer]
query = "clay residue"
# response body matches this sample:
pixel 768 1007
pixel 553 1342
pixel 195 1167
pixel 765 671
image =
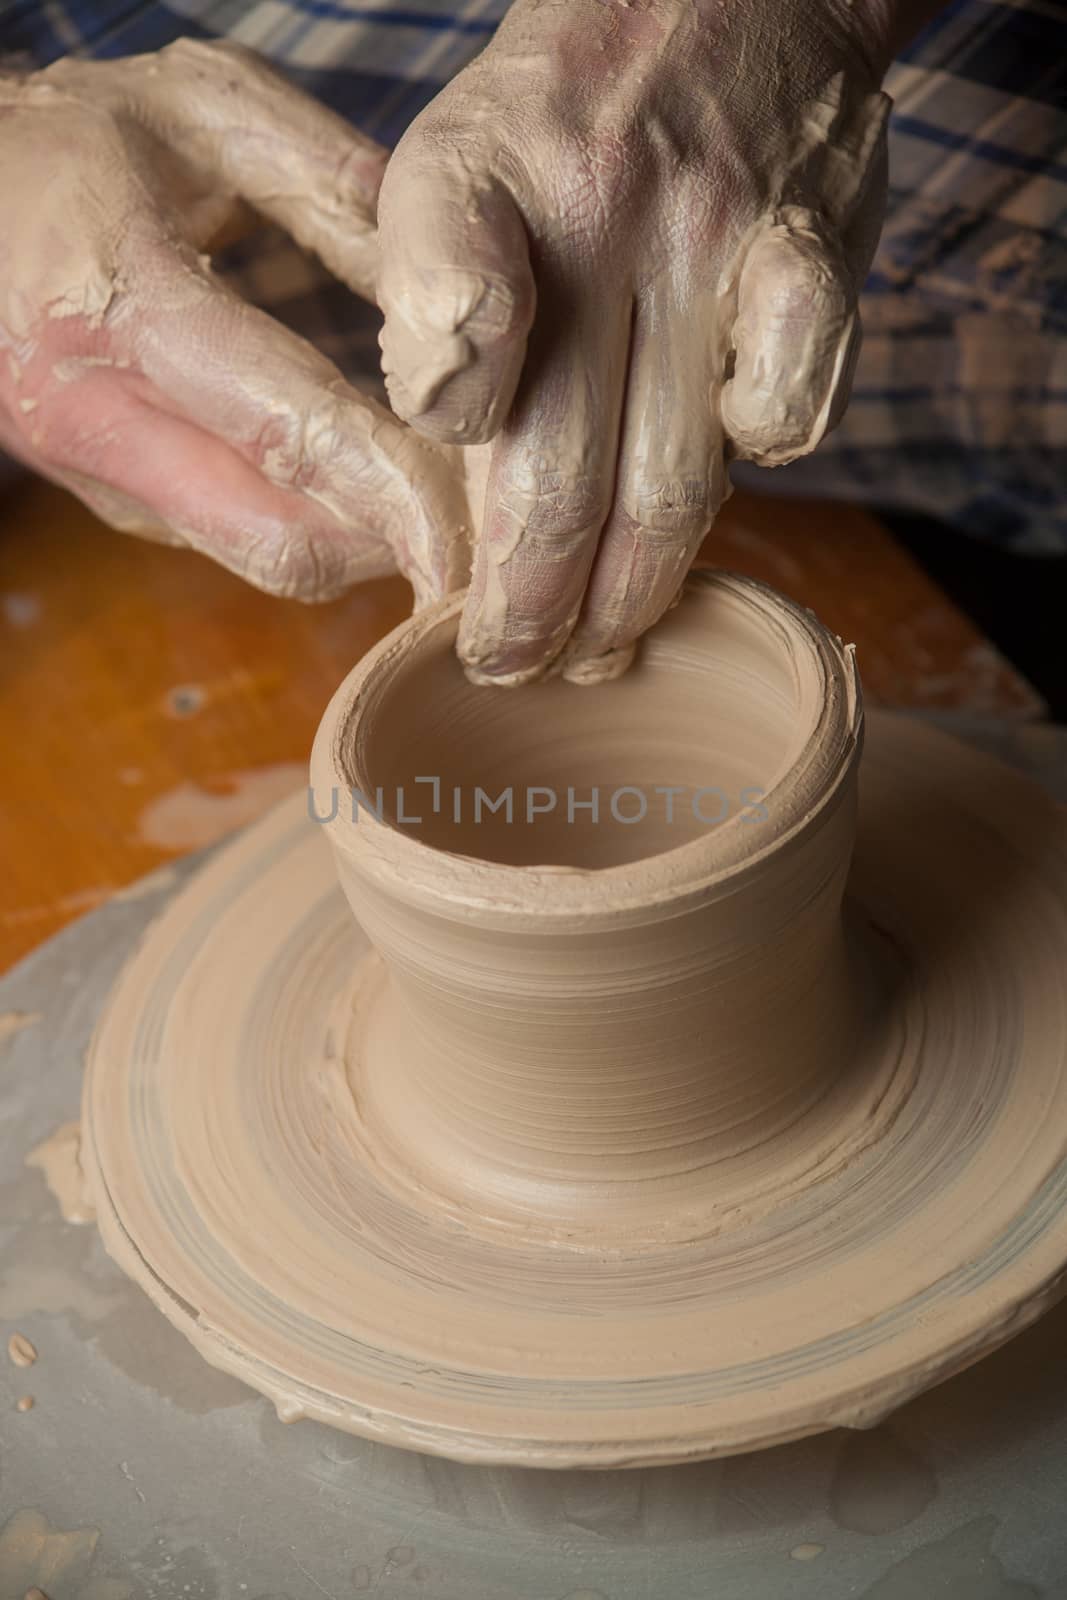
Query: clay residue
pixel 20 1351
pixel 12 1022
pixel 613 463
pixel 194 815
pixel 59 1159
pixel 34 1554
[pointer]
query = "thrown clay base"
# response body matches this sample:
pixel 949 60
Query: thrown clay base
pixel 906 1214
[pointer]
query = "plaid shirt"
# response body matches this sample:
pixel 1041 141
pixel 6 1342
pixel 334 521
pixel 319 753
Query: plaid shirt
pixel 960 402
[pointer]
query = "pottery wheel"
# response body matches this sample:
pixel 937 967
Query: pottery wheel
pixel 937 1231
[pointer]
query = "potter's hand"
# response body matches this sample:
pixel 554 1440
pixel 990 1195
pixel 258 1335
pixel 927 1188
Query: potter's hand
pixel 131 374
pixel 627 241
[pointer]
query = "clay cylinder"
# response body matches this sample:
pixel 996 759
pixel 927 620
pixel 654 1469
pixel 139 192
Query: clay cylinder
pixel 594 1000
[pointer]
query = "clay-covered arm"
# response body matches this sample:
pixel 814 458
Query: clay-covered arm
pixel 131 374
pixel 626 243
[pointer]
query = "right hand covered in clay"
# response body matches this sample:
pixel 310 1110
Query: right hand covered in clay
pixel 626 243
pixel 132 375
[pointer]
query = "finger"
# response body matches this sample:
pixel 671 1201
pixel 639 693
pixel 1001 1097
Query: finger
pixel 235 372
pixel 456 289
pixel 550 485
pixel 112 506
pixel 246 130
pixel 118 509
pixel 795 337
pixel 100 436
pixel 672 480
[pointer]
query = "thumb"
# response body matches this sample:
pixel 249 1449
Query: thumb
pixel 795 339
pixel 455 286
pixel 244 129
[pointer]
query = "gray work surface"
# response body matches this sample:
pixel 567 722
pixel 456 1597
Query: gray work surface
pixel 198 1492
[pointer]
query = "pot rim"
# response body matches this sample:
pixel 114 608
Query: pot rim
pixel 462 886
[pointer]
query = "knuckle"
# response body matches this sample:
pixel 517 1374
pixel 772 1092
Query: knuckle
pixel 279 449
pixel 554 504
pixel 288 563
pixel 295 444
pixel 589 182
pixel 78 440
pixel 610 160
pixel 672 509
pixel 213 57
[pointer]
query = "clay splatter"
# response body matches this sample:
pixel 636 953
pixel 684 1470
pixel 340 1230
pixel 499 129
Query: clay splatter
pixel 21 1351
pixel 59 1159
pixel 30 1549
pixel 192 816
pixel 12 1022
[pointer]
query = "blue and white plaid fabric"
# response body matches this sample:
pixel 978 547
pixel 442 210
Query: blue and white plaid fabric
pixel 960 400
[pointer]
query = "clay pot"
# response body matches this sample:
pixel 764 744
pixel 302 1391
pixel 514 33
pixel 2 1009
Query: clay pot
pixel 577 1019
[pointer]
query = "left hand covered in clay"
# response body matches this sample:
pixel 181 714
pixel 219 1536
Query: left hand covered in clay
pixel 132 374
pixel 627 243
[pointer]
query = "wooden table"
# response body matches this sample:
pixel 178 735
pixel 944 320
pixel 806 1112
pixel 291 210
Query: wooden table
pixel 150 702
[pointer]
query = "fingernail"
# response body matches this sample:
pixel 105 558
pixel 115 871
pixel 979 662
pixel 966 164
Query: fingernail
pixel 503 680
pixel 586 670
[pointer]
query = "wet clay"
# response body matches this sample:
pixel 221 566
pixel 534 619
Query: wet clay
pixel 603 1145
pixel 573 268
pixel 31 1549
pixel 20 1351
pixel 58 1158
pixel 178 150
pixel 13 1022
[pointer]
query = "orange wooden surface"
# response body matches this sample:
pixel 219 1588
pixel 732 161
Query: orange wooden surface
pixel 149 701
